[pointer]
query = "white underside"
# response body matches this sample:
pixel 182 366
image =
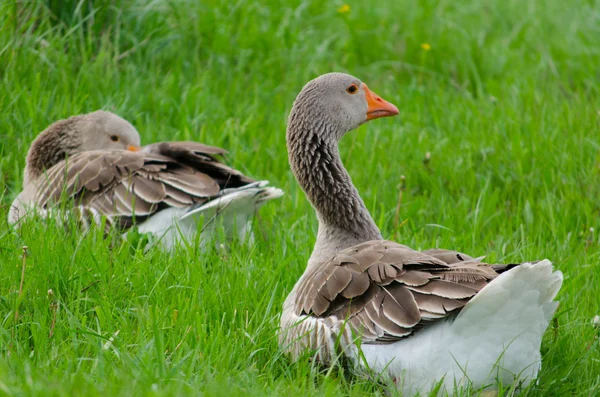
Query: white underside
pixel 230 215
pixel 496 337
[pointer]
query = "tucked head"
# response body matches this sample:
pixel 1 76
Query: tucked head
pixel 341 101
pixel 98 130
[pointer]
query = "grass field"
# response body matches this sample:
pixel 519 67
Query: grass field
pixel 501 96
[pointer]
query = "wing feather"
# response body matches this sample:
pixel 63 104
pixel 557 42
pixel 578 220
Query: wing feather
pixel 387 291
pixel 119 183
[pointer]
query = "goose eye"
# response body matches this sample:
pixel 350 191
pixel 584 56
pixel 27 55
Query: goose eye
pixel 352 89
pixel 114 138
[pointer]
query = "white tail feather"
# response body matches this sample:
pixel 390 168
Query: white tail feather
pixel 496 336
pixel 233 210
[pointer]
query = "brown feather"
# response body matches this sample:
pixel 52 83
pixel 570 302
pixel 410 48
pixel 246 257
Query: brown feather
pixel 448 256
pixel 399 306
pixel 149 190
pixel 376 313
pixel 358 285
pixel 387 290
pixel 413 278
pixel 338 281
pixel 181 197
pixel 446 289
pixel 126 184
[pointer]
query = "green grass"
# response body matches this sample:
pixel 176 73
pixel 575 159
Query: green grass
pixel 506 102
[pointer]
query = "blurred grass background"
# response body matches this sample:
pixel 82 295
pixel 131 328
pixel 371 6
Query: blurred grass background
pixel 498 141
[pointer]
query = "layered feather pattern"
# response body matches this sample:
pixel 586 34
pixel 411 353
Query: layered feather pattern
pixel 129 187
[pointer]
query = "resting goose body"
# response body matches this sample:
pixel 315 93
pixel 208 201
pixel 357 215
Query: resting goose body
pixel 416 317
pixel 166 188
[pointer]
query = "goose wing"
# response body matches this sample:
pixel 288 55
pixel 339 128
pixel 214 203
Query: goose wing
pixel 130 186
pixel 386 291
pixel 202 158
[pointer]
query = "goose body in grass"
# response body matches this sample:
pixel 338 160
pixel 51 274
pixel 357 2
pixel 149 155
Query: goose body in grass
pixel 170 189
pixel 417 318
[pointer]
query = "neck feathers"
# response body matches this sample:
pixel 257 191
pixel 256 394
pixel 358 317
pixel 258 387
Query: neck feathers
pixel 315 161
pixel 50 148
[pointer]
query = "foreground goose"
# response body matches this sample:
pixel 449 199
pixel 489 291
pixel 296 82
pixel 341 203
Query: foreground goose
pixel 418 317
pixel 169 189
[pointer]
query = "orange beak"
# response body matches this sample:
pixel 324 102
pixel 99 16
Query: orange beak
pixel 378 107
pixel 133 148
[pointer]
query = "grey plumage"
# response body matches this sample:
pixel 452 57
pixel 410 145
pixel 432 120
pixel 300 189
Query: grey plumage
pixel 315 125
pixel 356 284
pixel 84 159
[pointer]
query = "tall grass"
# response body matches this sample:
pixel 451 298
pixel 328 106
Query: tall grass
pixel 504 100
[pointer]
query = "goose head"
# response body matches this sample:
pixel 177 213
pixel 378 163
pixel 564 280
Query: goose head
pixel 336 103
pixel 324 111
pixel 102 130
pixel 99 130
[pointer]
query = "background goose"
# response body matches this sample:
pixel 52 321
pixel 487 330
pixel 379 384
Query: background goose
pixel 396 301
pixel 165 188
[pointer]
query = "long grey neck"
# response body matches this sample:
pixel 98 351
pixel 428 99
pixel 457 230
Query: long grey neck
pixel 344 220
